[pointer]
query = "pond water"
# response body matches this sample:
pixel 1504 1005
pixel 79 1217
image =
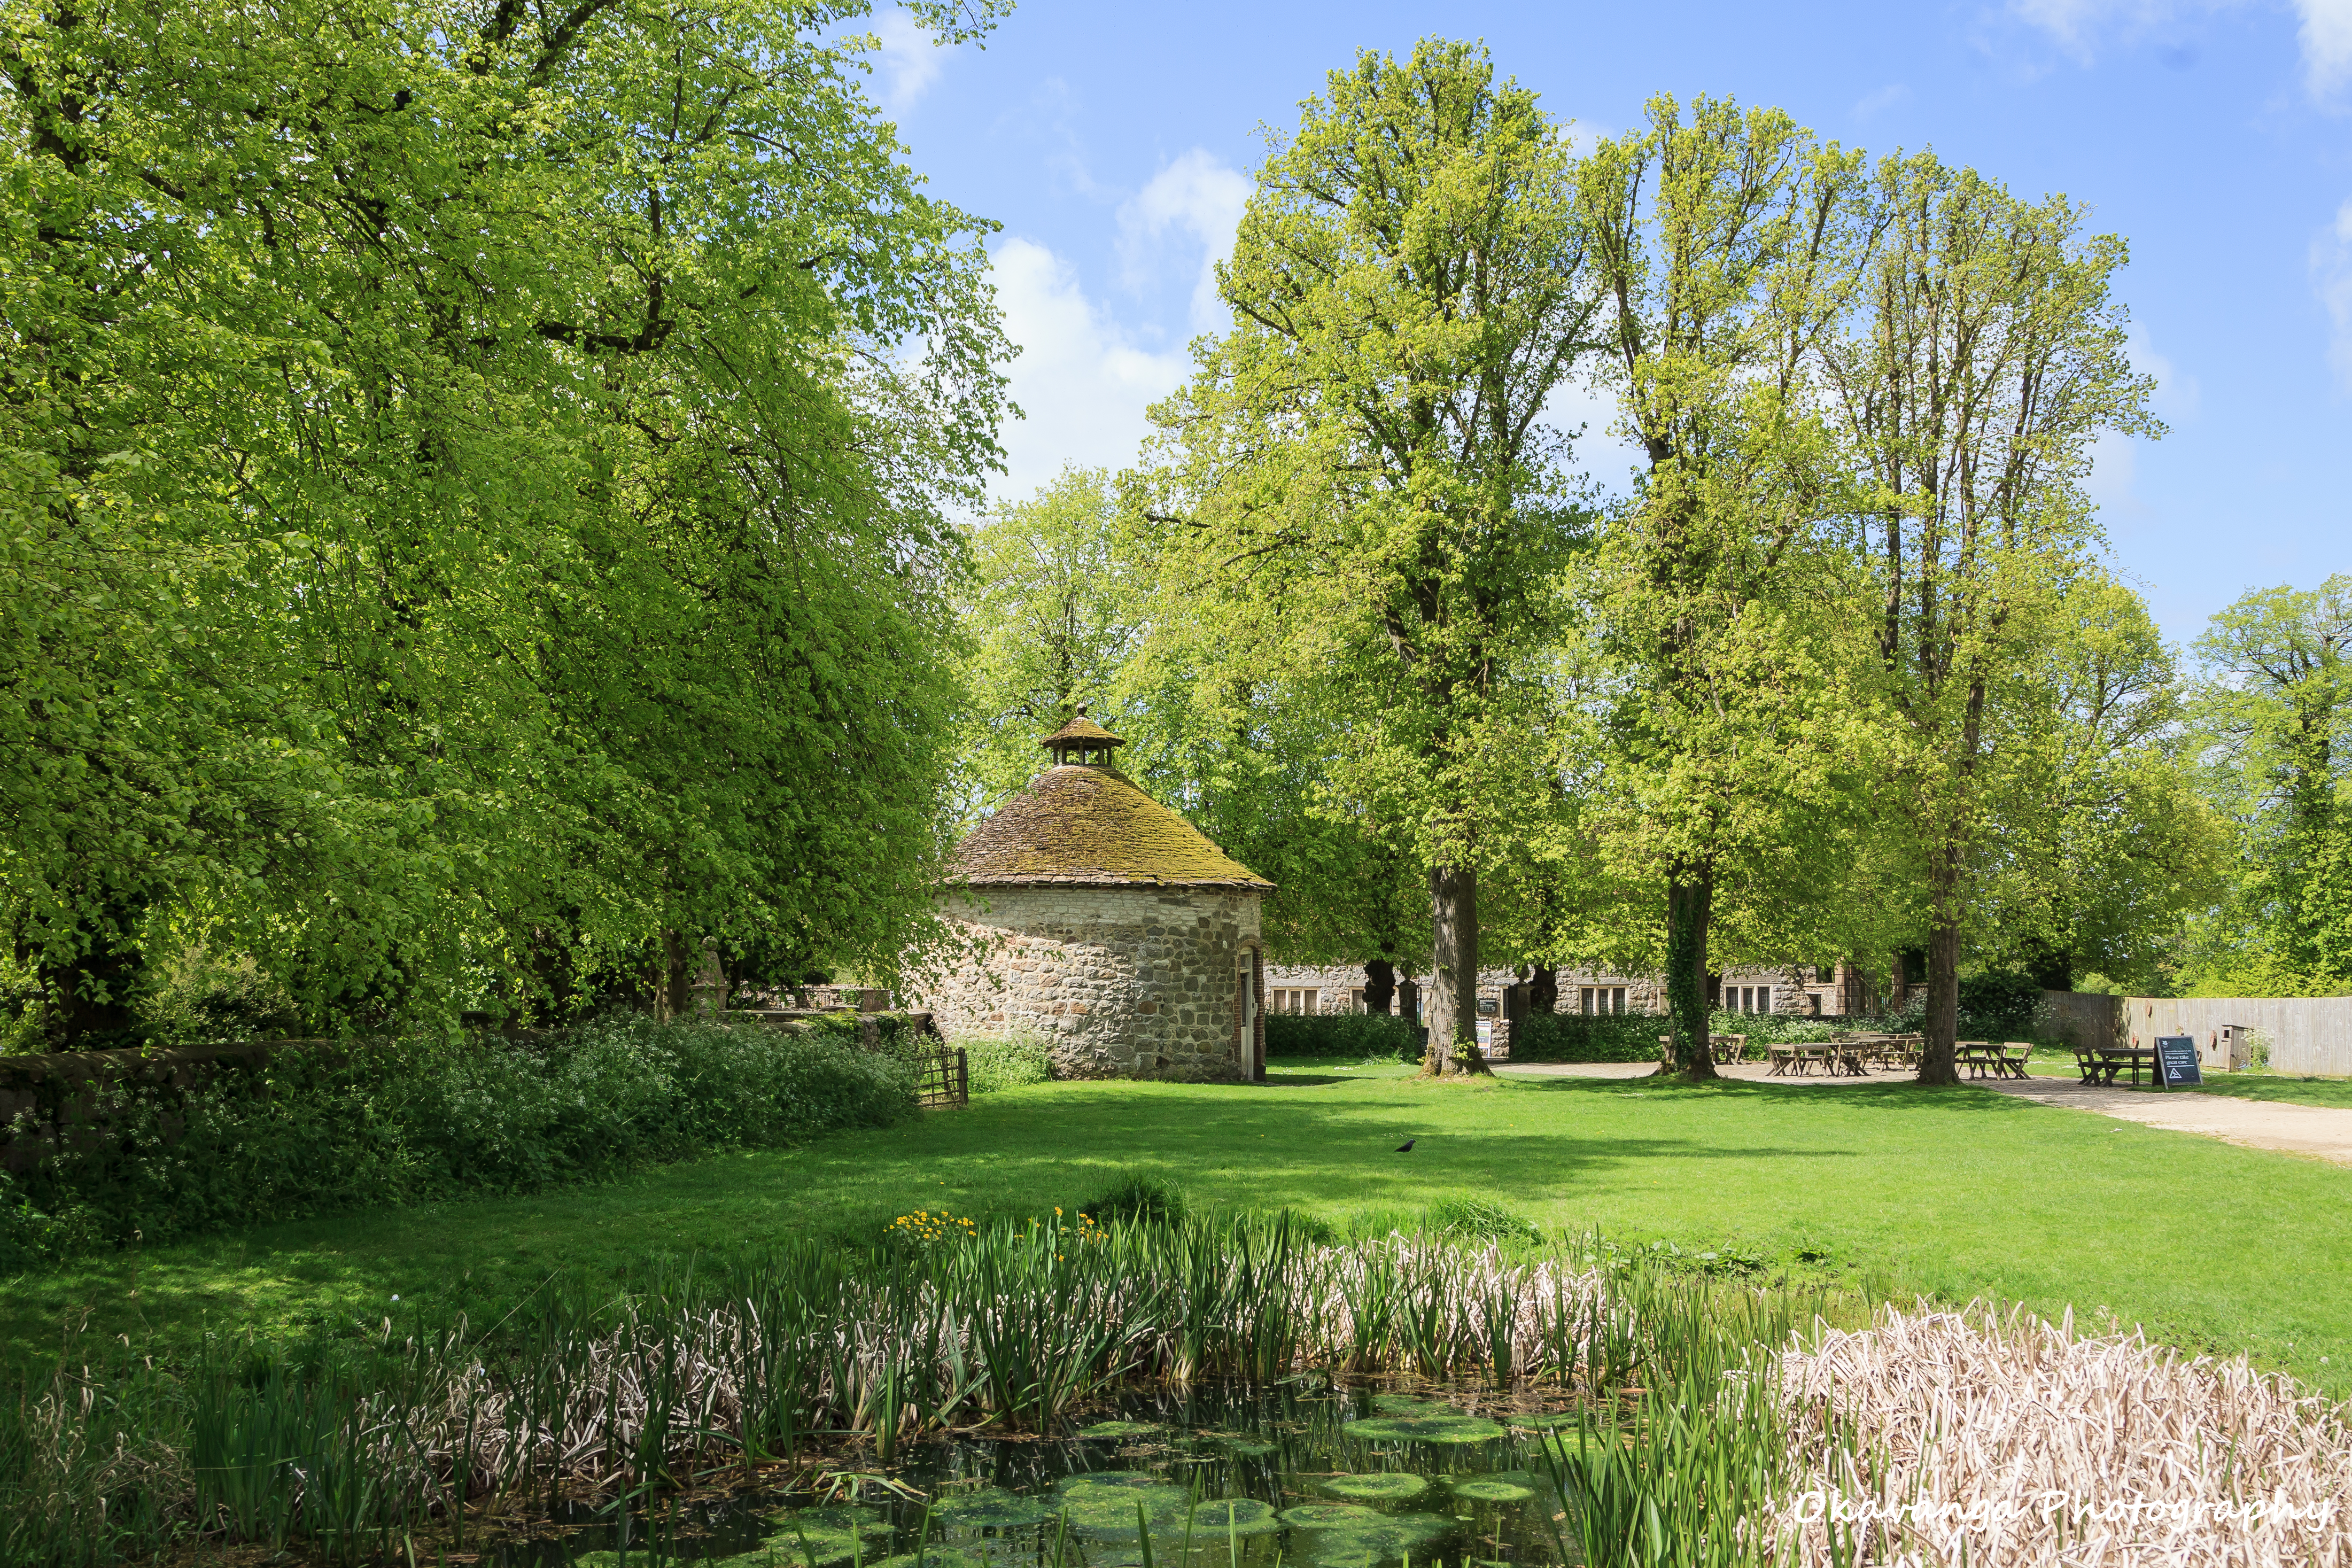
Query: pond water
pixel 1318 1476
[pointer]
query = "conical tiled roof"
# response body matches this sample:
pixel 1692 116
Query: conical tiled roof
pixel 1091 827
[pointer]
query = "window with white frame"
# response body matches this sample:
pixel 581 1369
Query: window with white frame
pixel 1355 1000
pixel 1293 999
pixel 1594 1000
pixel 1748 998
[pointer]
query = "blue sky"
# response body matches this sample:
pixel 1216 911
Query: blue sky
pixel 1114 143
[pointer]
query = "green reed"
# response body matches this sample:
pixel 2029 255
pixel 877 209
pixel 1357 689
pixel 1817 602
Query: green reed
pixel 713 1363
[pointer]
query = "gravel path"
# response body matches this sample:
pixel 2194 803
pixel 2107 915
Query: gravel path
pixel 2320 1131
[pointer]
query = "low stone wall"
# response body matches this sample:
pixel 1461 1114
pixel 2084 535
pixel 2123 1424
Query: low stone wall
pixel 48 1100
pixel 1119 982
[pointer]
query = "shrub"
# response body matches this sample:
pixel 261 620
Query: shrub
pixel 1006 1061
pixel 1138 1197
pixel 390 1123
pixel 1587 1038
pixel 1478 1219
pixel 1996 1004
pixel 1352 1037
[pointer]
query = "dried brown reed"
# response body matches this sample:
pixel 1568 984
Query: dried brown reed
pixel 1991 1438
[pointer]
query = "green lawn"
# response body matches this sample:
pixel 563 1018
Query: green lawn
pixel 2333 1093
pixel 1952 1191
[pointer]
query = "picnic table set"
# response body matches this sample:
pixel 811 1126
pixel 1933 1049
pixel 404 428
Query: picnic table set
pixel 2100 1064
pixel 1848 1055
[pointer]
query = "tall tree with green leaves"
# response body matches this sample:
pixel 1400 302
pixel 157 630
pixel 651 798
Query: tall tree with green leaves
pixel 2101 881
pixel 1729 244
pixel 476 482
pixel 1367 447
pixel 1054 616
pixel 1989 357
pixel 2272 721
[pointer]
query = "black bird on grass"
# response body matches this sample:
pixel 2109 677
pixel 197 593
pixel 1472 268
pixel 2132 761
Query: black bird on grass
pixel 1406 1147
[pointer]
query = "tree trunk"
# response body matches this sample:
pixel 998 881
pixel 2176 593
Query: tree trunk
pixel 1937 1062
pixel 1543 990
pixel 1454 972
pixel 1380 986
pixel 673 977
pixel 1690 901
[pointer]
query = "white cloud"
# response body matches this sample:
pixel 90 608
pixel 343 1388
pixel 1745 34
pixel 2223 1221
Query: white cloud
pixel 911 59
pixel 1196 195
pixel 2331 271
pixel 2327 38
pixel 1080 377
pixel 2115 467
pixel 2079 26
pixel 1878 102
pixel 2178 395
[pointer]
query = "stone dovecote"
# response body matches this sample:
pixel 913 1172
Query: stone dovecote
pixel 1096 918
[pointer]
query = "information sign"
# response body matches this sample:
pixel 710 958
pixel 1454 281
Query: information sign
pixel 2176 1061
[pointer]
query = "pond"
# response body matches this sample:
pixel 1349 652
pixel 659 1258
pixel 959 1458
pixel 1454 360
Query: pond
pixel 1307 1473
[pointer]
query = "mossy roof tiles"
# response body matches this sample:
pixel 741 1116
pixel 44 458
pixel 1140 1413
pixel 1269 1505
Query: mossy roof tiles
pixel 1091 827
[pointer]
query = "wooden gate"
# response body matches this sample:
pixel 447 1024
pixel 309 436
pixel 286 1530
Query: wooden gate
pixel 942 1077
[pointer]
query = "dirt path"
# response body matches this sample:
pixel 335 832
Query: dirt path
pixel 2313 1130
pixel 2322 1132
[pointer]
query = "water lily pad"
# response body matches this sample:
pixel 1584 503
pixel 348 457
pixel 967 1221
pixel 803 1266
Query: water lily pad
pixel 1383 1538
pixel 1102 1506
pixel 1491 1488
pixel 1424 1429
pixel 823 1535
pixel 1247 1448
pixel 937 1557
pixel 1120 1429
pixel 1228 1517
pixel 990 1508
pixel 1329 1516
pixel 1390 1485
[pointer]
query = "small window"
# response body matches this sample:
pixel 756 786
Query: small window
pixel 1355 1000
pixel 1293 999
pixel 1593 1000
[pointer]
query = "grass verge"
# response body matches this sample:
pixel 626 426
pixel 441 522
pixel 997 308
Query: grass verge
pixel 1891 1188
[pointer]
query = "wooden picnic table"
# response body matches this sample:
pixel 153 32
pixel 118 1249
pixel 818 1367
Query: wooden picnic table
pixel 2108 1060
pixel 1793 1060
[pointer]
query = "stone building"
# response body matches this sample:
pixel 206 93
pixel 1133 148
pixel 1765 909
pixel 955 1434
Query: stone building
pixel 1805 990
pixel 1097 918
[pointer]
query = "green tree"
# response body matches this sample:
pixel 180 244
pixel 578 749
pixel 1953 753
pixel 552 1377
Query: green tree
pixel 1367 448
pixel 1054 617
pixel 2131 847
pixel 1728 246
pixel 2273 719
pixel 472 517
pixel 1989 358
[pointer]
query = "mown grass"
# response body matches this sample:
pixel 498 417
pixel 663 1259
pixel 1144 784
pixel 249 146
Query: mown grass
pixel 1953 1193
pixel 2334 1093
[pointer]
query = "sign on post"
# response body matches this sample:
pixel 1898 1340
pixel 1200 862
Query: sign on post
pixel 2176 1061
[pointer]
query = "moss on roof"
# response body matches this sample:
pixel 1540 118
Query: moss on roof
pixel 1081 728
pixel 1091 827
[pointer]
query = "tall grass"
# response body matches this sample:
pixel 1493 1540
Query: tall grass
pixel 724 1363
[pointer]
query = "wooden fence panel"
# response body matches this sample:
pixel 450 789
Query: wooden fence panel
pixel 2309 1034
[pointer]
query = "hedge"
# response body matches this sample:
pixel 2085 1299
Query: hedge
pixel 1356 1037
pixel 369 1125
